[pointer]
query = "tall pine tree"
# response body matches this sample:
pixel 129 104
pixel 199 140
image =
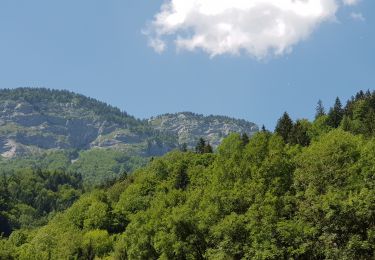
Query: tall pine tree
pixel 203 147
pixel 284 127
pixel 182 179
pixel 320 111
pixel 208 148
pixel 199 148
pixel 245 139
pixel 299 134
pixel 335 114
pixel 5 227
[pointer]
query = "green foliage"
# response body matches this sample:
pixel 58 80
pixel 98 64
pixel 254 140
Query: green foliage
pixel 263 200
pixel 245 139
pixel 96 166
pixel 318 128
pixel 334 197
pixel 308 196
pixel 293 133
pixel 360 115
pixel 96 243
pixel 284 127
pixel 203 147
pixel 299 133
pixel 28 197
pixel 319 110
pixel 335 114
pixel 40 97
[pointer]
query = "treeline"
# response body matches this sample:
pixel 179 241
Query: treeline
pixel 273 196
pixel 357 117
pixel 209 118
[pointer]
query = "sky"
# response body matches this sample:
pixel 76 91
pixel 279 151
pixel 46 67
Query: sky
pixel 248 59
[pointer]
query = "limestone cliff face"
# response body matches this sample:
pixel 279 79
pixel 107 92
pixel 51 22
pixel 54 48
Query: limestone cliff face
pixel 35 120
pixel 189 127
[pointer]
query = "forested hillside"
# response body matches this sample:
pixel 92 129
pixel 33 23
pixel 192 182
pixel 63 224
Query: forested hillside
pixel 96 166
pixel 306 191
pixel 62 130
pixel 28 197
pixel 36 120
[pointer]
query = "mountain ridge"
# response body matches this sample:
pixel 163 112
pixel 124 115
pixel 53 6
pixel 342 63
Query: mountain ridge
pixel 212 127
pixel 33 120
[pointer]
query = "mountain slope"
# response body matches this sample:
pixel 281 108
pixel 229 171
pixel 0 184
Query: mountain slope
pixel 35 120
pixel 189 127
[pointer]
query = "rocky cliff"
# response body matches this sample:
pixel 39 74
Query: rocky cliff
pixel 35 120
pixel 189 127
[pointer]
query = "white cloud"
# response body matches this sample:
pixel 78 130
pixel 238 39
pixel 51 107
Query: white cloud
pixel 157 44
pixel 357 17
pixel 350 2
pixel 257 27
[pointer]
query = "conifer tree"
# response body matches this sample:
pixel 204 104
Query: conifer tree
pixel 335 114
pixel 5 228
pixel 359 95
pixel 182 179
pixel 208 148
pixel 345 123
pixel 245 139
pixel 299 134
pixel 203 147
pixel 199 148
pixel 4 193
pixel 320 111
pixel 183 148
pixel 284 127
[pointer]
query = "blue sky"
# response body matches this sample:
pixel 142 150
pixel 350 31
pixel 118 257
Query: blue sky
pixel 97 48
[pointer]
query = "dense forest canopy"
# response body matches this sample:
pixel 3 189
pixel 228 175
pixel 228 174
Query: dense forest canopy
pixel 96 166
pixel 306 191
pixel 28 197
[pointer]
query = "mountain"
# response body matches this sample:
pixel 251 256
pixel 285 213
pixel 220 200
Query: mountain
pixel 189 127
pixel 34 120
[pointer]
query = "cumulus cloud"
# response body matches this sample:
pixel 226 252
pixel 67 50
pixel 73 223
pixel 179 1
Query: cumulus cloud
pixel 257 27
pixel 357 17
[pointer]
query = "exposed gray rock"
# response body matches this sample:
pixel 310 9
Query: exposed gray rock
pixel 44 142
pixel 3 145
pixel 41 119
pixel 155 148
pixel 28 120
pixel 81 132
pixel 129 139
pixel 189 127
